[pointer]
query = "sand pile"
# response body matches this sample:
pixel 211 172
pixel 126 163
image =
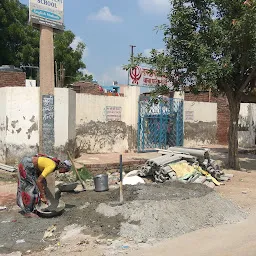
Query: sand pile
pixel 171 210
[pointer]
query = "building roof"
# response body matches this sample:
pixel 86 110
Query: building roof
pixel 88 88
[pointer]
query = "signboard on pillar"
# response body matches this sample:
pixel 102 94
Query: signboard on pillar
pixel 145 77
pixel 48 124
pixel 48 13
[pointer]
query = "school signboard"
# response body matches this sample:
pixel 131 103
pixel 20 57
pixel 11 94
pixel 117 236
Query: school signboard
pixel 47 12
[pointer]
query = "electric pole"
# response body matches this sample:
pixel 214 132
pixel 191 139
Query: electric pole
pixel 132 53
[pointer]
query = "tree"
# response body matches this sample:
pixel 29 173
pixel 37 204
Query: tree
pixel 83 77
pixel 70 58
pixel 19 42
pixel 211 44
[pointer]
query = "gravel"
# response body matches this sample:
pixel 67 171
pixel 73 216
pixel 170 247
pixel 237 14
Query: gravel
pixel 150 211
pixel 155 216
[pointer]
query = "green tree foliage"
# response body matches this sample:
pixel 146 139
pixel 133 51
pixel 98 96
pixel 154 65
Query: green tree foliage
pixel 83 77
pixel 19 42
pixel 70 58
pixel 211 44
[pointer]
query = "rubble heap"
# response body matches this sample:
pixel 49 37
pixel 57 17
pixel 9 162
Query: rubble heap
pixel 185 165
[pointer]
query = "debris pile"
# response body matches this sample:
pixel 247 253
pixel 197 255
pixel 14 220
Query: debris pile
pixel 7 168
pixel 185 165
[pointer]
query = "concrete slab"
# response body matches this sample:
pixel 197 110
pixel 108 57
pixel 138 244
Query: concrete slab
pixel 111 160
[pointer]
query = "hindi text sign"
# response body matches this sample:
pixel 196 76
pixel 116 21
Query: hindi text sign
pixel 48 124
pixel 113 113
pixel 146 77
pixel 189 115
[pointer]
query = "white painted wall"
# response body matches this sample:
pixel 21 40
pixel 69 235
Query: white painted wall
pixel 247 125
pixel 200 123
pixel 19 117
pixel 131 106
pixel 22 112
pixel 65 116
pixel 72 115
pixel 64 121
pixel 22 127
pixel 2 124
pixel 93 107
pixel 97 133
pixel 30 83
pixel 204 114
pixel 200 111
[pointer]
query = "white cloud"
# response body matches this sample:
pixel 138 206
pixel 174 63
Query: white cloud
pixel 114 74
pixel 155 6
pixel 147 52
pixel 75 43
pixel 87 72
pixel 104 14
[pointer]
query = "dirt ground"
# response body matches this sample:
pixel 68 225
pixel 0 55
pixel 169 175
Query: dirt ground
pixel 94 234
pixel 81 210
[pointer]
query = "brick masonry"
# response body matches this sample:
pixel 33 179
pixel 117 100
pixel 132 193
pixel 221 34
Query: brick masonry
pixel 222 115
pixel 87 87
pixel 12 79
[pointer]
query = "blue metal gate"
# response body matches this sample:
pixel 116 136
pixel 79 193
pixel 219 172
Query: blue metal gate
pixel 160 123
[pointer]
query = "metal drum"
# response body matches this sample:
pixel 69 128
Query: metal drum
pixel 101 183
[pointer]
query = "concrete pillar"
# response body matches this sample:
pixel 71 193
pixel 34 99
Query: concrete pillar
pixel 46 130
pixel 131 110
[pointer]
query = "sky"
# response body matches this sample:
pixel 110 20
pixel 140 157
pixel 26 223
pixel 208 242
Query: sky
pixel 109 27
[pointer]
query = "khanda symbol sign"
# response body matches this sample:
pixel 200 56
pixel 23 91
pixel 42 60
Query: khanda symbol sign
pixel 135 74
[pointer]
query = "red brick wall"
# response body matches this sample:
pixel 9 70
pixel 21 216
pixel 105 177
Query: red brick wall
pixel 12 79
pixel 222 113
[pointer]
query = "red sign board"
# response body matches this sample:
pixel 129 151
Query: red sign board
pixel 145 77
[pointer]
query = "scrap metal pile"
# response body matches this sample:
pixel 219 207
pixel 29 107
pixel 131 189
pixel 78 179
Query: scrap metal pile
pixel 185 165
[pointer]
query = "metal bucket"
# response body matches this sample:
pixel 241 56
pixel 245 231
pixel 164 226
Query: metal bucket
pixel 101 183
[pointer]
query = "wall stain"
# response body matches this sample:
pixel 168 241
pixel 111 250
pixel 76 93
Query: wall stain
pixel 105 135
pixel 32 120
pixel 2 127
pixel 13 124
pixel 19 130
pixel 201 132
pixel 14 153
pixel 244 123
pixel 33 128
pixel 24 117
pixel 7 123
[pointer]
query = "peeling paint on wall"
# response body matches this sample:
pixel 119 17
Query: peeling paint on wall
pixel 2 127
pixel 14 153
pixel 19 135
pixel 70 146
pixel 32 120
pixel 201 133
pixel 13 123
pixel 2 151
pixel 19 130
pixel 33 128
pixel 106 137
pixel 246 125
pixel 7 121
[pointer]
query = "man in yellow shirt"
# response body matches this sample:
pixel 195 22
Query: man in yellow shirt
pixel 32 173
